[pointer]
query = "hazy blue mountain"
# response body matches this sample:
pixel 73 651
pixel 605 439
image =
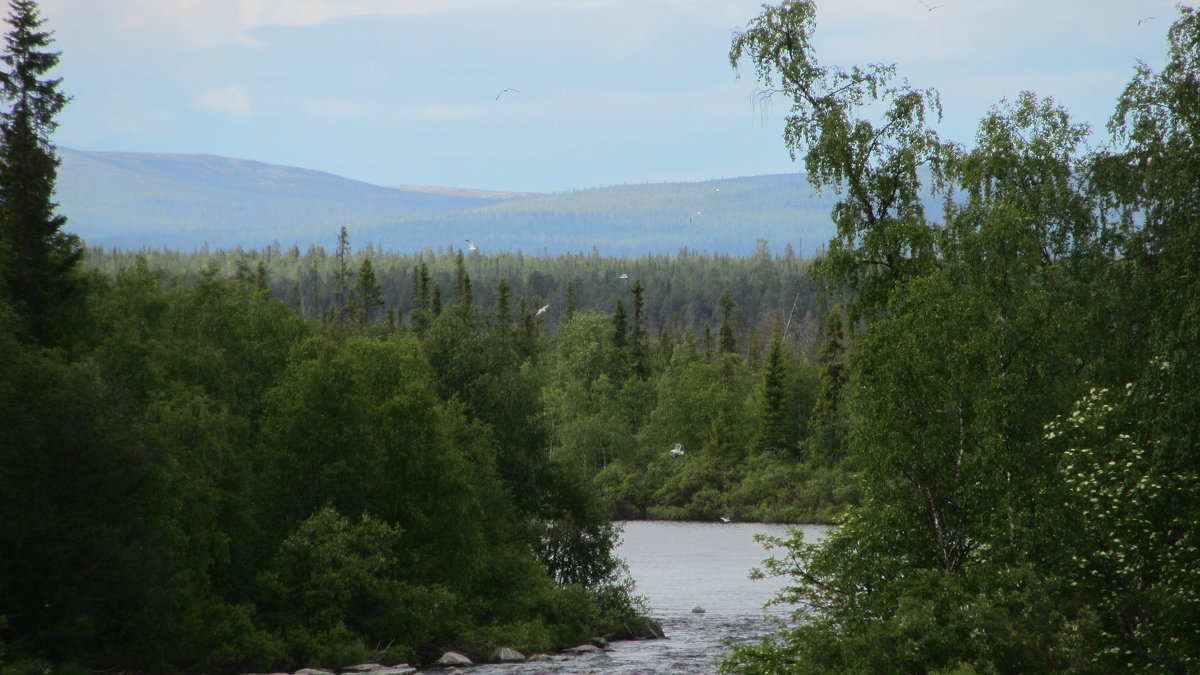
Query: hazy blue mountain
pixel 134 200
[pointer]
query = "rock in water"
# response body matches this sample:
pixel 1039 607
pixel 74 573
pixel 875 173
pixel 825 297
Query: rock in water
pixel 698 610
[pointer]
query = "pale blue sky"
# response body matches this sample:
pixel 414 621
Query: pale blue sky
pixel 610 91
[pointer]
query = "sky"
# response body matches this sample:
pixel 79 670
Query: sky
pixel 607 92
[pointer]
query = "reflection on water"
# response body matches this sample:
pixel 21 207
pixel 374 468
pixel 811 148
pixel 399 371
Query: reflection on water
pixel 680 566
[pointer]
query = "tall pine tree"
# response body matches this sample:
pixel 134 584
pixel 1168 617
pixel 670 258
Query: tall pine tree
pixel 37 259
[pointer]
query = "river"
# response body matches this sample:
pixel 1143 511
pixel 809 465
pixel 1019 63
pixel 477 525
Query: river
pixel 677 567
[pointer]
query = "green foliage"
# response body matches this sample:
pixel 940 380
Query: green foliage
pixel 881 234
pixel 1010 521
pixel 182 479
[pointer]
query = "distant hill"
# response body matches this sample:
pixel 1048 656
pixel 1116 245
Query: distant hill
pixel 136 200
pixel 131 200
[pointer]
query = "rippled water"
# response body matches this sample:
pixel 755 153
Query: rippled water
pixel 679 566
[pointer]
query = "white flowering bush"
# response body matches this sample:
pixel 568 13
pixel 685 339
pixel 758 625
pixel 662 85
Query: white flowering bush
pixel 1137 552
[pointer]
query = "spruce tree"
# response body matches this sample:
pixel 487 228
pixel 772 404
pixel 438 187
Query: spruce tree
pixel 37 259
pixel 367 294
pixel 570 306
pixel 728 344
pixel 422 308
pixel 639 355
pixel 620 327
pixel 462 282
pixel 344 274
pixel 502 322
pixel 776 424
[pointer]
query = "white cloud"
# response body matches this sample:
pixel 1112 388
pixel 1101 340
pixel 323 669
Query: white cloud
pixel 233 100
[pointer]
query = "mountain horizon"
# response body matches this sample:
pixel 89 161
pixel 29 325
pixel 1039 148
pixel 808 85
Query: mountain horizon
pixel 133 200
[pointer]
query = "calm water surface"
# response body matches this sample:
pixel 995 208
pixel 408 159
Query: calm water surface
pixel 679 566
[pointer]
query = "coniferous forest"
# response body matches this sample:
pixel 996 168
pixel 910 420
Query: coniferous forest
pixel 247 460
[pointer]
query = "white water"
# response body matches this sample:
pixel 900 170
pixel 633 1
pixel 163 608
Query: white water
pixel 677 567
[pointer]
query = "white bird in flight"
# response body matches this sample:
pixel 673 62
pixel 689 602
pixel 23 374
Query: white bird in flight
pixel 692 218
pixel 515 91
pixel 677 451
pixel 542 310
pixel 928 7
pixel 623 276
pixel 1149 18
pixel 471 246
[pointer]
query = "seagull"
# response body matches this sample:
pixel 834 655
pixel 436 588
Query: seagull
pixel 1149 18
pixel 542 310
pixel 692 218
pixel 724 519
pixel 677 451
pixel 716 189
pixel 471 246
pixel 516 91
pixel 623 276
pixel 928 7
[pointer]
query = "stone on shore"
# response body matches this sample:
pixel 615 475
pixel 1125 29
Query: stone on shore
pixel 582 649
pixel 453 659
pixel 507 655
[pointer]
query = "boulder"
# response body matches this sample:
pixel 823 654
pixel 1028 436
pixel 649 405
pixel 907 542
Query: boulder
pixel 600 642
pixel 453 659
pixel 362 668
pixel 507 655
pixel 698 610
pixel 399 669
pixel 314 671
pixel 539 658
pixel 582 649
